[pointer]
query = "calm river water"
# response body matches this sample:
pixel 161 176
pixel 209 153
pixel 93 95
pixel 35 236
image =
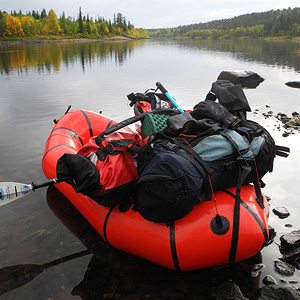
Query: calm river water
pixel 37 84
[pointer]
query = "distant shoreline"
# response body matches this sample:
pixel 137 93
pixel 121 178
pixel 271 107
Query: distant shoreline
pixel 67 40
pixel 31 41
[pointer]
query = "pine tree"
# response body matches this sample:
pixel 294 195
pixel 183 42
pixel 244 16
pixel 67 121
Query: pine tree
pixel 119 20
pixel 63 22
pixel 35 14
pixel 88 26
pixel 43 14
pixel 2 23
pixel 81 30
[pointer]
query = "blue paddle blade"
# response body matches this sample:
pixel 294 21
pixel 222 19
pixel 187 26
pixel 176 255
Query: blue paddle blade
pixel 11 191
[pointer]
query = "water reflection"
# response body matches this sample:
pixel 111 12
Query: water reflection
pixel 53 56
pixel 12 277
pixel 282 53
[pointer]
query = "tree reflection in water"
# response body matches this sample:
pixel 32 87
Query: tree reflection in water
pixel 53 56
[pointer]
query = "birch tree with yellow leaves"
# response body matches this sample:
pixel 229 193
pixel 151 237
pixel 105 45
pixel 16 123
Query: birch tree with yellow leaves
pixel 53 24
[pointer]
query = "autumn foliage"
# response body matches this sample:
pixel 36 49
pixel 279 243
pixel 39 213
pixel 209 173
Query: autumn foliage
pixel 35 24
pixel 13 26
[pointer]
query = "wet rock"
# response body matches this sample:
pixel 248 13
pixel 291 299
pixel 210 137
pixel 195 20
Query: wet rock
pixel 228 290
pixel 290 240
pixel 281 115
pixel 291 256
pixel 289 122
pixel 293 122
pixel 293 84
pixel 257 269
pixel 268 114
pixel 286 134
pixel 284 268
pixel 271 292
pixel 281 212
pixel 272 234
pixel 247 79
pixel 130 297
pixel 170 293
pixel 268 198
pixel 268 280
pixel 293 281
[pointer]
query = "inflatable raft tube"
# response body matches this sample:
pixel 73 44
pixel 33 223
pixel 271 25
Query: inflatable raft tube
pixel 193 242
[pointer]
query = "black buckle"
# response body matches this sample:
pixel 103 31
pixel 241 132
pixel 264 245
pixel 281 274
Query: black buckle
pixel 109 149
pixel 102 153
pixel 171 146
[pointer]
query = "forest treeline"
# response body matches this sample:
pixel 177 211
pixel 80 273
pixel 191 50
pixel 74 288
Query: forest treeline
pixel 273 23
pixel 32 24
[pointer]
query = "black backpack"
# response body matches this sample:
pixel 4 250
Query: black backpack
pixel 169 185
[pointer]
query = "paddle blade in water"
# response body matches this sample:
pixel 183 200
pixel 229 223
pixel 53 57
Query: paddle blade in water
pixel 11 191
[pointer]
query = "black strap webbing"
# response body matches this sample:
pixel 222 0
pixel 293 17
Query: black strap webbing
pixel 194 154
pixel 236 221
pixel 282 151
pixel 194 160
pixel 131 120
pixel 173 246
pixel 233 143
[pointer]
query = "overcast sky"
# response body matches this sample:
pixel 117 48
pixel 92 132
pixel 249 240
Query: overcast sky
pixel 151 13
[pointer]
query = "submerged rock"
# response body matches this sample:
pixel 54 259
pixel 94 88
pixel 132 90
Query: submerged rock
pixel 247 79
pixel 293 84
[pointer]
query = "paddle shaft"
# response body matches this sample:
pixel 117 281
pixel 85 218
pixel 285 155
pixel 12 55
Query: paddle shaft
pixel 44 183
pixel 164 91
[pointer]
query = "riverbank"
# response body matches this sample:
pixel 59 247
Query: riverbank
pixel 27 41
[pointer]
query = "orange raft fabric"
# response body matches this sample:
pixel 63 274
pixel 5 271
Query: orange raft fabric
pixel 189 243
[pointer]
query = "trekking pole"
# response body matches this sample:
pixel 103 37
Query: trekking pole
pixel 165 92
